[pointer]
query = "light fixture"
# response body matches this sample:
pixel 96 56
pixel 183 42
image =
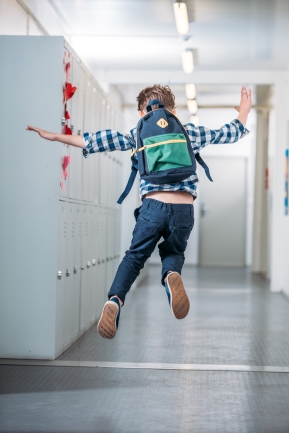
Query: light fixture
pixel 188 61
pixel 194 120
pixel 192 106
pixel 190 91
pixel 181 16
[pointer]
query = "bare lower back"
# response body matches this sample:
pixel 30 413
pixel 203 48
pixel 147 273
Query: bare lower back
pixel 177 197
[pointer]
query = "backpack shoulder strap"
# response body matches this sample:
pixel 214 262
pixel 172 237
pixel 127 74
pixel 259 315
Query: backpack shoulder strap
pixel 204 165
pixel 130 182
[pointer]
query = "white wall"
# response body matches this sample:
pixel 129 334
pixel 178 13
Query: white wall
pixel 14 20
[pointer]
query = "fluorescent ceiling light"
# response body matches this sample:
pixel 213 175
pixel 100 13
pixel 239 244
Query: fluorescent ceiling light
pixel 194 120
pixel 190 91
pixel 181 16
pixel 192 106
pixel 188 61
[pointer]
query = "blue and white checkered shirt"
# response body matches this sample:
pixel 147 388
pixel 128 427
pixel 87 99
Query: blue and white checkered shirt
pixel 109 140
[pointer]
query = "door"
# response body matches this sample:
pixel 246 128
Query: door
pixel 76 121
pixel 61 268
pixel 222 240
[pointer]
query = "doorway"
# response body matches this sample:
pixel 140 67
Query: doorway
pixel 222 235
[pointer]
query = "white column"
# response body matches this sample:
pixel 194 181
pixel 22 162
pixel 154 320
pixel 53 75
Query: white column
pixel 279 222
pixel 259 253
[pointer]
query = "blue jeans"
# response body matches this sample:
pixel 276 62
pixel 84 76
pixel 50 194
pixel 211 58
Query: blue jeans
pixel 155 219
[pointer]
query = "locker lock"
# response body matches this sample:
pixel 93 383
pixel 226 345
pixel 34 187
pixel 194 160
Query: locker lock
pixel 59 275
pixel 93 261
pixel 75 269
pixel 67 272
pixel 82 268
pixel 88 264
pixel 63 121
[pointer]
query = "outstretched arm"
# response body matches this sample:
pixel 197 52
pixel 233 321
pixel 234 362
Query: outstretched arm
pixel 245 105
pixel 229 133
pixel 101 141
pixel 73 140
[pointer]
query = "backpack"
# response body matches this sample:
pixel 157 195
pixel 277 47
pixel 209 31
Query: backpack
pixel 163 148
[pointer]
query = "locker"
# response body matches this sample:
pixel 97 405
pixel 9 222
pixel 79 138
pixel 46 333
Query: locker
pixel 85 297
pixel 65 150
pixel 67 276
pixel 103 247
pixel 99 107
pixel 115 180
pixel 112 118
pixel 103 113
pixel 77 262
pixel 60 290
pixel 87 163
pixel 117 238
pixel 100 264
pixel 63 183
pixel 104 178
pixel 94 270
pixel 77 113
pixel 94 159
pixel 108 116
pixel 108 236
pixel 108 198
pixel 73 269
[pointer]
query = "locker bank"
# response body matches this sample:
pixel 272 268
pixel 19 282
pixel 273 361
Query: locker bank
pixel 74 67
pixel 77 244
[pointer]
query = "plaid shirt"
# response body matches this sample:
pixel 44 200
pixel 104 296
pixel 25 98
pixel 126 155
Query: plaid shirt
pixel 109 140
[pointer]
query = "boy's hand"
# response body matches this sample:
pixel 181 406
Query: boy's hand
pixel 44 134
pixel 73 140
pixel 246 101
pixel 245 105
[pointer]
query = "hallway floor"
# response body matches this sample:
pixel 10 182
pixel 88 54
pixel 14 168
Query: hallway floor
pixel 234 323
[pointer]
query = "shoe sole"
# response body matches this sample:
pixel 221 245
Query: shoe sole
pixel 180 304
pixel 107 323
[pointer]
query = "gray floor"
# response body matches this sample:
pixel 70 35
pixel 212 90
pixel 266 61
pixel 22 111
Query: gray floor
pixel 233 320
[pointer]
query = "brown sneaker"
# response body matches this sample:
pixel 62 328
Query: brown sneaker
pixel 108 322
pixel 178 299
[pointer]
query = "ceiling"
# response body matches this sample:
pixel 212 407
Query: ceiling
pixel 141 36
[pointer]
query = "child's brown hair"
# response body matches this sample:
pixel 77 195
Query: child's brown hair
pixel 162 93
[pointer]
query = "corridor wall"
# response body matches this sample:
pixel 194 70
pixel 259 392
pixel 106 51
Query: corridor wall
pixel 60 224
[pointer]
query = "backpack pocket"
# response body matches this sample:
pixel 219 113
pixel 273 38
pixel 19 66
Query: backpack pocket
pixel 166 151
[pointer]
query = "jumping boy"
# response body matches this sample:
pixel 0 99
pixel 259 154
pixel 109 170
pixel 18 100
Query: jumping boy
pixel 167 209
